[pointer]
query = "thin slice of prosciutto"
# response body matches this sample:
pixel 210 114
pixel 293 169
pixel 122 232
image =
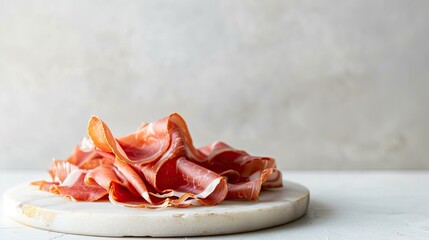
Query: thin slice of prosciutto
pixel 158 166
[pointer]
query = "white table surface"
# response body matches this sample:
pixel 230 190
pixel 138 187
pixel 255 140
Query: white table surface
pixel 343 205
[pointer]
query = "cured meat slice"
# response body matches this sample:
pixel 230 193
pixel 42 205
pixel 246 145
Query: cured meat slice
pixel 89 160
pixel 112 180
pixel 68 181
pixel 249 189
pixel 158 169
pixel 189 182
pixel 158 166
pixel 79 191
pixel 246 174
pixel 152 140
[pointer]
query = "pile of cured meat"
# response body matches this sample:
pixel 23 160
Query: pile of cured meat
pixel 158 166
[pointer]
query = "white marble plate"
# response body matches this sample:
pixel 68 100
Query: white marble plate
pixel 35 208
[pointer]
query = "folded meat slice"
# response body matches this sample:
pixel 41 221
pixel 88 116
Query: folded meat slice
pixel 68 180
pixel 163 169
pixel 153 139
pixel 115 183
pixel 246 174
pixel 173 175
pixel 78 190
pixel 249 189
pixel 89 159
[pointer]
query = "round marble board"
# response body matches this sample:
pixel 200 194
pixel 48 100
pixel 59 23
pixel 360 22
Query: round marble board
pixel 44 210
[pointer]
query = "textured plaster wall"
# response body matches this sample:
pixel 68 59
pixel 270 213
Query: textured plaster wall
pixel 315 84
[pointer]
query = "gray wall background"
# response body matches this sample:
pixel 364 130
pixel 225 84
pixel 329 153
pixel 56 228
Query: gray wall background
pixel 315 84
